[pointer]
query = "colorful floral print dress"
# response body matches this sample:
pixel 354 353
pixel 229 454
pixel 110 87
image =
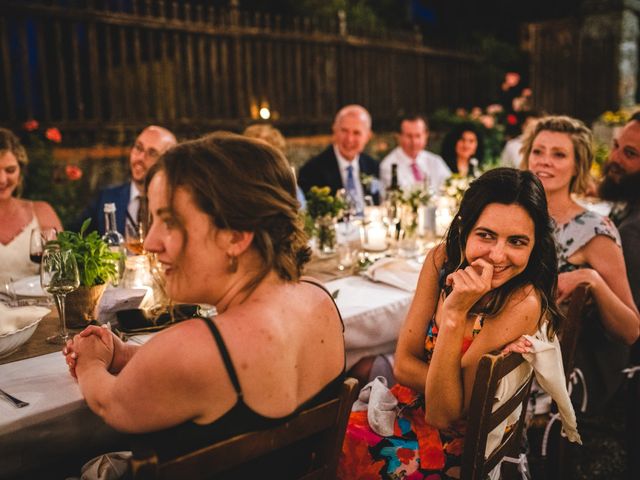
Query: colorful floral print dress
pixel 416 450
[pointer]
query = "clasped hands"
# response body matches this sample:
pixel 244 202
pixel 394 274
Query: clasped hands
pixel 92 344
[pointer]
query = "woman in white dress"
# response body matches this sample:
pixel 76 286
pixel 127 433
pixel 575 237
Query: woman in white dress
pixel 18 216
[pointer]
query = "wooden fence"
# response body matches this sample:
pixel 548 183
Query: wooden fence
pixel 573 73
pixel 99 66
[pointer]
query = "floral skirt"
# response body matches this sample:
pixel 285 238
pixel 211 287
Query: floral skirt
pixel 416 450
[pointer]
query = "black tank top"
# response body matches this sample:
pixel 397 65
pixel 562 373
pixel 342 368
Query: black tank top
pixel 239 419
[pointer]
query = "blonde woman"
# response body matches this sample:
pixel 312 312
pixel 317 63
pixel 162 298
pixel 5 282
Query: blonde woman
pixel 559 152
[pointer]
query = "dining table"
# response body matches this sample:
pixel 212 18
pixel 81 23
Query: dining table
pixel 57 431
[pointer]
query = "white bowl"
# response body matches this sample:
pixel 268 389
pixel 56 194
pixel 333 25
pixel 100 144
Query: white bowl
pixel 11 341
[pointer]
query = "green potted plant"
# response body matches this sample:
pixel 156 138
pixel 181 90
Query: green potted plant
pixel 97 265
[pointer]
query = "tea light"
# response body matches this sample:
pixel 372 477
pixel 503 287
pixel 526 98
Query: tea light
pixel 443 220
pixel 375 236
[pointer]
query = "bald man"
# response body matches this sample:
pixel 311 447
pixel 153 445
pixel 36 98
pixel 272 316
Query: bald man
pixel 343 164
pixel 150 144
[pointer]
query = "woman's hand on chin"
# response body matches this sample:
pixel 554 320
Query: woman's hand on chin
pixel 468 286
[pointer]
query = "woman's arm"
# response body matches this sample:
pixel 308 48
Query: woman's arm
pixel 46 215
pixel 410 369
pixel 451 374
pixel 609 287
pixel 167 382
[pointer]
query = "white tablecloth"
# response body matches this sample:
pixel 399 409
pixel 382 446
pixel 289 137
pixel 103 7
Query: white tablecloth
pixel 372 313
pixel 58 423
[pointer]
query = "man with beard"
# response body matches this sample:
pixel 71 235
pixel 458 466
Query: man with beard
pixel 622 184
pixel 152 142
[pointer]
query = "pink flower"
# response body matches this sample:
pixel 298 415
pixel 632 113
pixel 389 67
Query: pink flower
pixel 54 135
pixel 488 121
pixel 512 119
pixel 73 172
pixel 30 125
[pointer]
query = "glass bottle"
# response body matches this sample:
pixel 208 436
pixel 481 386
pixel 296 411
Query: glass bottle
pixel 114 239
pixel 393 203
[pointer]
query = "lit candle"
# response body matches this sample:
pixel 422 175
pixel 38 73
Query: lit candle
pixel 375 236
pixel 443 220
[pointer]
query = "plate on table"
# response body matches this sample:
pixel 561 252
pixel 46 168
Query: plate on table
pixel 29 287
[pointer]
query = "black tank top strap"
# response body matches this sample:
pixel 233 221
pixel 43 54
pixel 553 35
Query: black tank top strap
pixel 321 286
pixel 226 358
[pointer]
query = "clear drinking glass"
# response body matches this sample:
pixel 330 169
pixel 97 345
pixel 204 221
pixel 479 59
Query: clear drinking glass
pixel 59 276
pixel 134 238
pixel 39 239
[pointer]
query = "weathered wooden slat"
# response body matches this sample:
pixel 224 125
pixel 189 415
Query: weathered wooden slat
pixel 77 80
pixel 25 73
pixel 153 96
pixel 6 71
pixel 139 79
pixel 95 79
pixel 179 91
pixel 167 99
pixel 62 81
pixel 113 108
pixel 190 110
pixel 43 70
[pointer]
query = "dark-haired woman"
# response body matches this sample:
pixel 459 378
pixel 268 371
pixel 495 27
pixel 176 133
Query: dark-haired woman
pixel 226 228
pixel 463 149
pixel 489 283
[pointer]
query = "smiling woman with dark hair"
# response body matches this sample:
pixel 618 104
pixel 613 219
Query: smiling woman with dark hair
pixel 225 226
pixel 491 281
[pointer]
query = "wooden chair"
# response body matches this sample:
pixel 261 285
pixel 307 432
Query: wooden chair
pixel 323 425
pixel 572 326
pixel 482 420
pixel 554 453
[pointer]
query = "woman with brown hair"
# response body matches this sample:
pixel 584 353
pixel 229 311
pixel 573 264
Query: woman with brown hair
pixel 226 229
pixel 18 216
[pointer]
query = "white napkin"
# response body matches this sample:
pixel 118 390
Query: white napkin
pixel 15 318
pixel 397 272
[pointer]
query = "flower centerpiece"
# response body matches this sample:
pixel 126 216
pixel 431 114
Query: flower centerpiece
pixel 456 185
pixel 97 265
pixel 323 210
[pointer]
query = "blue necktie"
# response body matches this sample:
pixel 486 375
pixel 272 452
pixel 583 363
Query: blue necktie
pixel 352 192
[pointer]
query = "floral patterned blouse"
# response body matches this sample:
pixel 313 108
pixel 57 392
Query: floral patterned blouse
pixel 577 232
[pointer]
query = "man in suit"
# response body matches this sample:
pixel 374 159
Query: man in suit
pixel 342 164
pixel 150 144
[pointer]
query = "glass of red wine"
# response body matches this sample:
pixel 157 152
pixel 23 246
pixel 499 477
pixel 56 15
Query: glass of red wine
pixel 39 238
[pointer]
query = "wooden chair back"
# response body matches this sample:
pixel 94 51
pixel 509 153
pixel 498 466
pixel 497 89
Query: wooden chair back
pixel 570 330
pixel 482 419
pixel 323 425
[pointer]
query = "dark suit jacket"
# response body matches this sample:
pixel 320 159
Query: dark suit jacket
pixel 323 171
pixel 119 195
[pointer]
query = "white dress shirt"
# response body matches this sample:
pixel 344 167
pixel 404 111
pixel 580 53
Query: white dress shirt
pixel 431 166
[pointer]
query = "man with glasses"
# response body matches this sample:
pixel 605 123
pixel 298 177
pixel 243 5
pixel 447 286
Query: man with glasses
pixel 152 142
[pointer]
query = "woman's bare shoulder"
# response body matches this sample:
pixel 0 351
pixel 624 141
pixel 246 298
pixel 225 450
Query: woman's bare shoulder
pixel 46 215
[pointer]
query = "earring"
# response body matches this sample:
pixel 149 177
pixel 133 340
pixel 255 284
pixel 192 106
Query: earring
pixel 233 263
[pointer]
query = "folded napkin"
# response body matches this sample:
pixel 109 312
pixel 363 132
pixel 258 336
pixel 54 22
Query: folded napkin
pixel 397 272
pixel 15 318
pixel 380 404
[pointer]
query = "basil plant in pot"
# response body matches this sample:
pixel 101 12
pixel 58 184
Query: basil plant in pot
pixel 97 265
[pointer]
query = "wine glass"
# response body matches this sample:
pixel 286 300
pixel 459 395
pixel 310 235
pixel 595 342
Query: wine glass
pixel 59 276
pixel 38 241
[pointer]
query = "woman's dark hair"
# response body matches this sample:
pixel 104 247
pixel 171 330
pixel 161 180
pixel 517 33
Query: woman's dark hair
pixel 10 143
pixel 243 184
pixel 508 186
pixel 448 150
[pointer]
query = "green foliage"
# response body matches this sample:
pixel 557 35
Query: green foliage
pixel 96 262
pixel 47 180
pixel 321 203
